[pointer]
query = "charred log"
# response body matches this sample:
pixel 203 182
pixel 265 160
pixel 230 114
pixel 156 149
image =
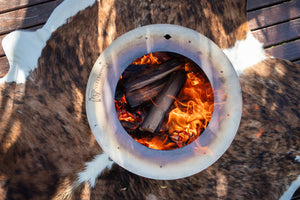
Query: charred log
pixel 149 74
pixel 143 83
pixel 147 93
pixel 163 102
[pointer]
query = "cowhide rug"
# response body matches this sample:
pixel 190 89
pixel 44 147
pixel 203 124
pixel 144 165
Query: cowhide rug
pixel 47 150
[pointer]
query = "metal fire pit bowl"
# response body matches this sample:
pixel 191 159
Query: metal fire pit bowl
pixel 120 146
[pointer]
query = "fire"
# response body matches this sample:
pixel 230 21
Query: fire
pixel 193 110
pixel 151 58
pixel 160 143
pixel 124 115
pixel 186 119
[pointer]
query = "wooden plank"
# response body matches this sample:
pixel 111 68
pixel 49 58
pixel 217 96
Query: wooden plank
pixel 255 4
pixel 2 36
pixel 274 14
pixel 278 33
pixel 26 17
pixel 4 66
pixel 9 5
pixel 289 51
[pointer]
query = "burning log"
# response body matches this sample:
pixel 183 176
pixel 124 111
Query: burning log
pixel 153 75
pixel 140 96
pixel 163 102
pixel 147 74
pixel 148 81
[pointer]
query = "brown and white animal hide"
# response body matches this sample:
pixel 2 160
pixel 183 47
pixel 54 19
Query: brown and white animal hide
pixel 47 148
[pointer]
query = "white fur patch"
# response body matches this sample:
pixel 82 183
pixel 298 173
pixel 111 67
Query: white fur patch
pixel 23 48
pixel 288 194
pixel 94 169
pixel 245 53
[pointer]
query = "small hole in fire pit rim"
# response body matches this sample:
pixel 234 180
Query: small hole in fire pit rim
pixel 164 100
pixel 167 36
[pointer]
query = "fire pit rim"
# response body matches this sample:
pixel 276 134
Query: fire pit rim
pixel 135 157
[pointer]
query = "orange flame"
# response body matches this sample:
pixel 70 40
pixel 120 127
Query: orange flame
pixel 189 115
pixel 151 58
pixel 123 114
pixel 157 142
pixel 193 109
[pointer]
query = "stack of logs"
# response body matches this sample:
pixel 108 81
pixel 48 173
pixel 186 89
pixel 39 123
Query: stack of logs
pixel 154 85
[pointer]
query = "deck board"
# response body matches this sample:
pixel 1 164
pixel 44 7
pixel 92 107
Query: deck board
pixel 269 16
pixel 288 51
pixel 280 33
pixel 276 23
pixel 26 17
pixel 9 5
pixel 256 4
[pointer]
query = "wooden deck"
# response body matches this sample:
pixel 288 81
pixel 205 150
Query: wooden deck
pixel 276 23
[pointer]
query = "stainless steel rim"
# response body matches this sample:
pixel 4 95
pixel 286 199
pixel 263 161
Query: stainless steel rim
pixel 112 137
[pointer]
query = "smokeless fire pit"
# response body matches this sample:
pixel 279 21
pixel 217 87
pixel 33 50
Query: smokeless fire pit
pixel 133 106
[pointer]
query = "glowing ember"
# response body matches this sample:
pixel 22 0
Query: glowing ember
pixel 151 58
pixel 186 118
pixel 126 116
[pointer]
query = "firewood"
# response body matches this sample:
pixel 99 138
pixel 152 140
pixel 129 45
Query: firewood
pixel 163 102
pixel 138 76
pixel 137 97
pixel 143 83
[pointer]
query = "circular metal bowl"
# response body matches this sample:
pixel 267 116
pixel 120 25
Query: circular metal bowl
pixel 120 146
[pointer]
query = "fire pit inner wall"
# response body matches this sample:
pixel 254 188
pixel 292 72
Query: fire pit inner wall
pixel 124 150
